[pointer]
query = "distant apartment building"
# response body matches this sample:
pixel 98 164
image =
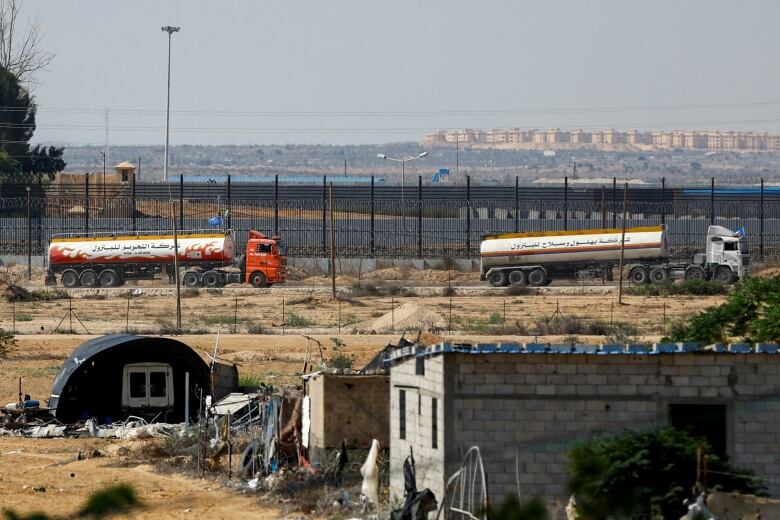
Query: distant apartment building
pixel 610 138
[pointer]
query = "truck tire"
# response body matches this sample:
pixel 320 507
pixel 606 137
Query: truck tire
pixel 257 279
pixel 639 275
pixel 659 275
pixel 89 278
pixel 497 278
pixel 109 278
pixel 212 279
pixel 537 277
pixel 695 272
pixel 724 275
pixel 70 279
pixel 191 279
pixel 517 278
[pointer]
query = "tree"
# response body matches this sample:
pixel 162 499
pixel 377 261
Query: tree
pixel 644 475
pixel 21 52
pixel 17 115
pixel 750 313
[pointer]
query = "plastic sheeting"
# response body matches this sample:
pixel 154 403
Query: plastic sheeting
pixel 370 473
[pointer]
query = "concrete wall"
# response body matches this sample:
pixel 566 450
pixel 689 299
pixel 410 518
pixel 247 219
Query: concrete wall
pixel 419 391
pixel 351 407
pixel 526 410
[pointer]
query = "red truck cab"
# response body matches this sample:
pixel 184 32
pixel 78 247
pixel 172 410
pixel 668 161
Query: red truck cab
pixel 266 260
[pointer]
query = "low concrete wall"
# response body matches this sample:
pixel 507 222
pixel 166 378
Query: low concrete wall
pixel 349 266
pixel 37 261
pixel 353 266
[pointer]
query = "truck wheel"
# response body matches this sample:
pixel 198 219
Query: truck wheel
pixel 537 277
pixel 639 275
pixel 212 279
pixel 695 272
pixel 659 275
pixel 257 279
pixel 108 278
pixel 497 278
pixel 517 278
pixel 724 275
pixel 190 279
pixel 70 279
pixel 89 278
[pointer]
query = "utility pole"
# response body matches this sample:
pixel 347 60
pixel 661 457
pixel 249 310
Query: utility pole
pixel 332 242
pixel 170 30
pixel 622 245
pixel 29 236
pixel 103 153
pixel 457 153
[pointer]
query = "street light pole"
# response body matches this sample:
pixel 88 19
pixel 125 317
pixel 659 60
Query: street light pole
pixel 403 160
pixel 170 30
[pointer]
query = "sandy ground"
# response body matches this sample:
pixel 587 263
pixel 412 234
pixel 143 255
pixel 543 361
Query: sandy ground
pixel 316 312
pixel 52 464
pixel 275 356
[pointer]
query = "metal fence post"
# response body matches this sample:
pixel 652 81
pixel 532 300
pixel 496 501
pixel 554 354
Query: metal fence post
pixel 663 200
pixel 229 211
pixel 276 204
pixel 372 216
pixel 761 222
pixel 324 217
pixel 86 203
pixel 419 216
pixel 468 215
pixel 132 204
pixel 712 201
pixel 181 202
pixel 614 202
pixel 517 204
pixel 565 203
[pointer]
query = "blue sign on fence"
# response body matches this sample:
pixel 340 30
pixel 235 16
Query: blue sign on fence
pixel 215 221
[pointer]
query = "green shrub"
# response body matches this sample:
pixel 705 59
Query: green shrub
pixel 643 475
pixel 341 361
pixel 683 287
pixel 23 316
pixel 296 320
pixel 50 294
pixel 255 328
pixel 750 313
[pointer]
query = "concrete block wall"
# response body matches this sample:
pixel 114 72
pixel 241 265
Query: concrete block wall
pixel 525 410
pixel 420 390
pixel 354 408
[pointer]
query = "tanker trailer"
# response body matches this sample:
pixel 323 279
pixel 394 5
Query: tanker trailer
pixel 538 257
pixel 108 259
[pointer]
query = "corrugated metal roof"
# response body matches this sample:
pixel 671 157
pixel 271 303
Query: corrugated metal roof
pixel 581 349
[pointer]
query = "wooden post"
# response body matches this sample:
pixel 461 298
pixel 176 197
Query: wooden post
pixel 622 244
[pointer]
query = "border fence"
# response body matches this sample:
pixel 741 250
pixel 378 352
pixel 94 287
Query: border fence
pixel 383 221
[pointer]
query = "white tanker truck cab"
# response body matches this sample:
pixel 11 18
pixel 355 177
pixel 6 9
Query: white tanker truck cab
pixel 536 258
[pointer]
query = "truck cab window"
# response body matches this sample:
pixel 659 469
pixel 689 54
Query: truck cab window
pixel 730 246
pixel 263 248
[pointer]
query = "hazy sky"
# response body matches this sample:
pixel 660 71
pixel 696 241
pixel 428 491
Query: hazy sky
pixel 367 71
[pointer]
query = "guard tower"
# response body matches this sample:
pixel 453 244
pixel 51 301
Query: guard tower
pixel 125 171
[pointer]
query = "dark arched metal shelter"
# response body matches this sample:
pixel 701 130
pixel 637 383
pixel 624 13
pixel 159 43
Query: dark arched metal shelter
pixel 90 381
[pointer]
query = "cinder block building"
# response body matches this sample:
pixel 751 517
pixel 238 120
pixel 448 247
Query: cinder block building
pixel 524 405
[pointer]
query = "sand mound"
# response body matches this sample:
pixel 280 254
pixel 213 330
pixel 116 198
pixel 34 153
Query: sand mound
pixel 769 272
pixel 427 275
pixel 409 316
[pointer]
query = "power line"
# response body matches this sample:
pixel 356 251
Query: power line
pixel 402 113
